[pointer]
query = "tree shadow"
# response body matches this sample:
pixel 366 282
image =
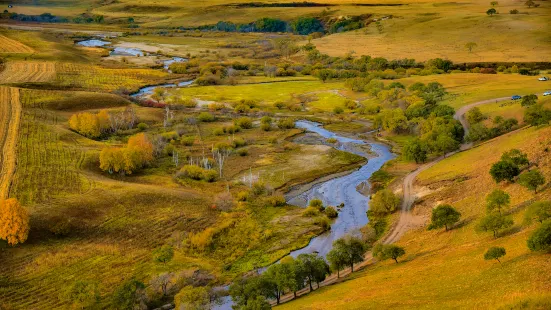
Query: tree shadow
pixel 510 231
pixel 464 222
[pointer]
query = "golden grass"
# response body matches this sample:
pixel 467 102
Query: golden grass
pixel 28 71
pixel 10 116
pixel 8 45
pixel 446 270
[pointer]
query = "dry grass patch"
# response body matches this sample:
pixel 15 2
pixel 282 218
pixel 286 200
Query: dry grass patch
pixel 10 115
pixel 28 71
pixel 8 45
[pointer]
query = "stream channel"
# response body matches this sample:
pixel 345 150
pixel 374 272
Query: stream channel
pixel 335 191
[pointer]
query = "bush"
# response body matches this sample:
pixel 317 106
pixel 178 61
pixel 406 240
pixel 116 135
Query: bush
pixel 515 11
pixel 239 142
pixel 218 132
pixel 331 212
pixel 243 152
pixel 310 212
pixel 276 200
pixel 244 122
pixel 197 173
pixel 266 126
pixel 338 110
pixel 540 239
pixel 205 117
pixel 323 223
pixel 286 123
pixel 331 140
pixel 316 203
pixel 187 141
pixel 242 196
pixel 142 126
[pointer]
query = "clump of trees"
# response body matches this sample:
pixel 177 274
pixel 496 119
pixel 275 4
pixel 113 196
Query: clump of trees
pixel 510 166
pixel 14 222
pixel 540 239
pixel 94 125
pixel 124 160
pixel 345 253
pixel 290 275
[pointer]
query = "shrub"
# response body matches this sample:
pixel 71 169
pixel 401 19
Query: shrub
pixel 316 203
pixel 218 132
pixel 286 123
pixel 210 175
pixel 259 188
pixel 243 196
pixel 266 126
pixel 192 172
pixel 187 141
pixel 331 212
pixel 540 239
pixel 338 110
pixel 276 200
pixel 323 223
pixel 205 117
pixel 189 103
pixel 310 212
pixel 239 142
pixel 331 140
pixel 142 126
pixel 244 122
pixel 242 152
pixel 515 11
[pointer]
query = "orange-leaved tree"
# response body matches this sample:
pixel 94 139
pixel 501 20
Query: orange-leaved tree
pixel 138 153
pixel 14 221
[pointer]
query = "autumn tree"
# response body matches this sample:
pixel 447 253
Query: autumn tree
pixel 125 160
pixel 383 202
pixel 14 222
pixel 196 298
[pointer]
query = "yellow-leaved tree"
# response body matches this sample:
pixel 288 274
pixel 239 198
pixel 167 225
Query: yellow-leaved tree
pixel 138 153
pixel 14 221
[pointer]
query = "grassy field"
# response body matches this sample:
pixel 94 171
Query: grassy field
pixel 509 110
pixel 10 107
pixel 424 29
pixel 446 270
pixel 465 88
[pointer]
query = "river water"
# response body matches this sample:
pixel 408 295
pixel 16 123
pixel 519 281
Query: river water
pixel 336 191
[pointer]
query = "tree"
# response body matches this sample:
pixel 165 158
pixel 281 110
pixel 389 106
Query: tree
pixel 529 3
pixel 192 298
pixel 337 259
pixel 14 222
pixel 280 277
pixel 540 211
pixel 470 46
pixel 494 3
pixel 351 249
pixel 143 147
pixel 504 170
pixel 415 150
pixel 537 115
pixel 495 223
pixel 540 239
pixel 474 116
pixel 491 12
pixel 497 200
pixel 532 180
pixel 249 293
pixel 384 202
pixel 130 295
pixel 494 253
pixel 444 216
pixel 529 100
pixel 307 25
pixel 384 252
pixel 516 157
pixel 82 294
pixel 163 254
pixel 314 267
pixel 297 269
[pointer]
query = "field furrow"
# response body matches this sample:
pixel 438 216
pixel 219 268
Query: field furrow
pixel 10 116
pixel 26 71
pixel 8 45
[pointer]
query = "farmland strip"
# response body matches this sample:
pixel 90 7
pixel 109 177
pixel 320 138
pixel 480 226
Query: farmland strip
pixel 10 116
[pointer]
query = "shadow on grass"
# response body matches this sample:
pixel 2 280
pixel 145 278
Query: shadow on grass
pixel 464 222
pixel 510 231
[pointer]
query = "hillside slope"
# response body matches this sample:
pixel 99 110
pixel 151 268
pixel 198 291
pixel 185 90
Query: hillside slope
pixel 446 269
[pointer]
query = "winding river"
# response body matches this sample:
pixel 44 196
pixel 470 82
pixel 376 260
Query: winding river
pixel 336 191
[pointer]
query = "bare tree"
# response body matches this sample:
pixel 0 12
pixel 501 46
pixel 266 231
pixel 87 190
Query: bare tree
pixel 220 155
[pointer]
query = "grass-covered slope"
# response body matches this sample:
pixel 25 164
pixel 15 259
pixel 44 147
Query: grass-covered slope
pixel 446 270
